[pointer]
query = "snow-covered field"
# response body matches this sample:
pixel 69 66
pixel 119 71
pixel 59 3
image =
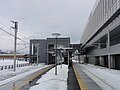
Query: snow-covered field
pixel 10 62
pixel 50 81
pixel 107 79
pixel 5 74
pixel 9 75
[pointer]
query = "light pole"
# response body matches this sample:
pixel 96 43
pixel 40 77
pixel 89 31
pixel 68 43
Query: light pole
pixel 15 38
pixel 56 36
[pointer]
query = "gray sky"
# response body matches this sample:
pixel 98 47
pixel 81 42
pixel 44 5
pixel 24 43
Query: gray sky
pixel 41 18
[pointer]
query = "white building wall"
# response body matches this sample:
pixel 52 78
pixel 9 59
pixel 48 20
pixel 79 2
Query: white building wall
pixel 102 11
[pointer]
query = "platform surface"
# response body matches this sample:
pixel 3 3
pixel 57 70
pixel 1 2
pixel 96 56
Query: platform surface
pixel 72 80
pixel 85 82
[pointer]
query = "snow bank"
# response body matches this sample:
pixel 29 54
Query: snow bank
pixel 9 75
pixel 107 79
pixel 5 74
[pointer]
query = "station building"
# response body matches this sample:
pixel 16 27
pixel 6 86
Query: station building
pixel 101 38
pixel 46 49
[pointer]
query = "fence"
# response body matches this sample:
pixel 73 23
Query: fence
pixel 11 66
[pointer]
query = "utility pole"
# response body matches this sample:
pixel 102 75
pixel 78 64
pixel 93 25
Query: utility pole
pixel 15 41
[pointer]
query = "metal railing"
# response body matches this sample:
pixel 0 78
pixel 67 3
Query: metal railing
pixel 11 66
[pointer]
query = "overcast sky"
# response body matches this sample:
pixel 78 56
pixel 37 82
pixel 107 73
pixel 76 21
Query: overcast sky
pixel 41 18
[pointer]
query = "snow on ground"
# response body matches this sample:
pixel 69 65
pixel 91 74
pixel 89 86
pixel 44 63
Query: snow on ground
pixel 5 74
pixel 107 79
pixel 10 62
pixel 74 61
pixel 50 81
pixel 9 75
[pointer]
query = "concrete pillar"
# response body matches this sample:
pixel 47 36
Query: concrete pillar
pixel 85 59
pixel 30 49
pixel 79 58
pixel 34 50
pixel 112 61
pixel 30 61
pixel 34 53
pixel 82 59
pixel 101 60
pixel 47 58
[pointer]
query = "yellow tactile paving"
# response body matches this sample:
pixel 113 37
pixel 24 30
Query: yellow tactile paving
pixel 80 80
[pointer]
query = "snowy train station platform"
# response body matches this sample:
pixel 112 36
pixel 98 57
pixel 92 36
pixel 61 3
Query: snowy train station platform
pixel 102 77
pixel 50 81
pixel 76 77
pixel 14 80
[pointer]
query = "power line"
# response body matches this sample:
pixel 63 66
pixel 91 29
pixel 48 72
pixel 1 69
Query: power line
pixel 7 32
pixel 13 35
pixel 5 18
pixel 22 48
pixel 9 27
pixel 22 40
pixel 10 39
pixel 18 32
pixel 23 35
pixel 5 25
